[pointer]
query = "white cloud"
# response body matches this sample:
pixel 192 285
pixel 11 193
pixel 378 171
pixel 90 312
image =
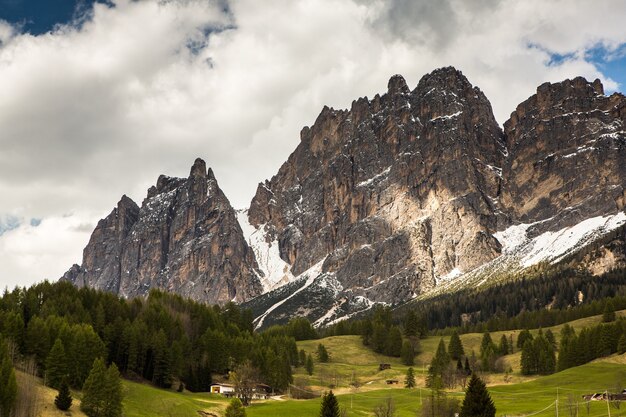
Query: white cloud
pixel 33 253
pixel 92 111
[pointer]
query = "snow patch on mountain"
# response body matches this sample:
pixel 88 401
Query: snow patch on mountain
pixel 554 246
pixel 309 275
pixel 276 271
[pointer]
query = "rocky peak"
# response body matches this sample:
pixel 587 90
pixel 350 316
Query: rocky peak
pixel 397 86
pixel 185 238
pixel 566 144
pixel 372 191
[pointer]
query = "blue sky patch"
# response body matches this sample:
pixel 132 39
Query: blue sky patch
pixel 8 223
pixel 41 16
pixel 612 63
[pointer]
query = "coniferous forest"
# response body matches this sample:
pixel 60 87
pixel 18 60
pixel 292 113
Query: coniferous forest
pixel 161 339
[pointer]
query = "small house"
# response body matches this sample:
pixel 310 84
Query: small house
pixel 392 381
pixel 262 392
pixel 226 390
pixel 384 366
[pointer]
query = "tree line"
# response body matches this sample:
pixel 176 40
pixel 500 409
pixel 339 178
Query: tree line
pixel 162 338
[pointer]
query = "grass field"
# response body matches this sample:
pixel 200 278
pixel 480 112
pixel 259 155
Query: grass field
pixel 350 360
pixel 510 400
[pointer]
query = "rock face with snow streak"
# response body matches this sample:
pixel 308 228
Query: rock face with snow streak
pixel 185 238
pixel 408 194
pixel 567 155
pixel 393 193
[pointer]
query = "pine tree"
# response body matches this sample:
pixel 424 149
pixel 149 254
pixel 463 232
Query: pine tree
pixel 455 347
pixel 621 344
pixel 330 406
pixel 302 357
pixel 63 400
pixel 477 401
pixel 235 409
pixel 503 348
pixel 522 337
pixel 409 381
pixel 393 345
pixel 467 368
pixel 411 324
pixel 8 383
pixel 322 353
pixel 529 358
pixel 550 338
pixel 309 364
pixel 486 344
pixel 93 401
pixel 56 365
pixel 408 353
pixel 113 393
pixel 609 312
pixel 162 376
pixel 438 365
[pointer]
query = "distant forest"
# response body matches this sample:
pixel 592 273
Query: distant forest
pixel 540 297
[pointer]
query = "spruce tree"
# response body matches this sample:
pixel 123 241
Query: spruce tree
pixel 455 347
pixel 322 353
pixel 486 344
pixel 330 406
pixel 93 402
pixel 438 365
pixel 467 368
pixel 63 400
pixel 235 409
pixel 113 393
pixel 621 344
pixel 522 337
pixel 409 381
pixel 408 353
pixel 550 338
pixel 477 401
pixel 8 383
pixel 503 348
pixel 162 376
pixel 56 365
pixel 393 345
pixel 411 324
pixel 609 312
pixel 529 358
pixel 309 364
pixel 302 357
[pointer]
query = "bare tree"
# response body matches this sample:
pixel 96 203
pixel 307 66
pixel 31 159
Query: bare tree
pixel 245 378
pixel 572 405
pixel 615 399
pixel 27 404
pixel 386 409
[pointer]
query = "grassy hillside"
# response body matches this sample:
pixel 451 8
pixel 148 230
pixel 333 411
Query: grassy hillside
pixel 512 400
pixel 350 361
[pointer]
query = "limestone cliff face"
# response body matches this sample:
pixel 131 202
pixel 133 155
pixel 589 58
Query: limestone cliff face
pixel 394 193
pixel 567 155
pixel 383 202
pixel 185 238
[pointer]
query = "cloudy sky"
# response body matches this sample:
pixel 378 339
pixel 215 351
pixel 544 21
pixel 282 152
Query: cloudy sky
pixel 98 99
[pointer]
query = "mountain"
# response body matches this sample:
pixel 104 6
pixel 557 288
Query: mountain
pixel 419 192
pixel 185 238
pixel 400 197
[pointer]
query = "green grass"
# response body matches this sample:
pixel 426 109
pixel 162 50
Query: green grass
pixel 511 400
pixel 571 384
pixel 351 360
pixel 141 400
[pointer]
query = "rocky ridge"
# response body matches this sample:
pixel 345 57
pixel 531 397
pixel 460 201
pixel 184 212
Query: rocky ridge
pixel 185 238
pixel 401 196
